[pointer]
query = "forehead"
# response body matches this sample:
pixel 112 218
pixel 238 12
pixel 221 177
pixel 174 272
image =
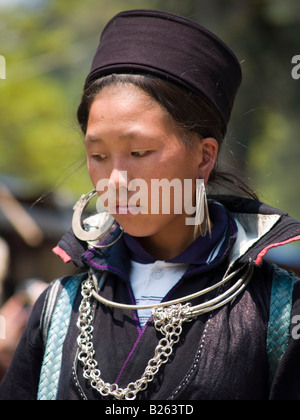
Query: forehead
pixel 125 105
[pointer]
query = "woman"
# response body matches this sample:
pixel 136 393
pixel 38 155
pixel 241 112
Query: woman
pixel 176 303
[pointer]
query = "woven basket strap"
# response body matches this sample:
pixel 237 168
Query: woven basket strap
pixel 279 319
pixel 49 305
pixel 60 321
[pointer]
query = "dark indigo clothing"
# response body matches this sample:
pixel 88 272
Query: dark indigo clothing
pixel 221 355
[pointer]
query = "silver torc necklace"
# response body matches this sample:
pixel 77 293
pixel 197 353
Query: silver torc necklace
pixel 168 318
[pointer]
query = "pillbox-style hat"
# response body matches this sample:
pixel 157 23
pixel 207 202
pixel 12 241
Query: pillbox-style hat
pixel 173 48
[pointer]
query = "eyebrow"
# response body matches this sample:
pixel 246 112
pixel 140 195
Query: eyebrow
pixel 92 139
pixel 126 136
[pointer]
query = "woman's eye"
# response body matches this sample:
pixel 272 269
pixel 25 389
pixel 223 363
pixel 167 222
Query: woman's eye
pixel 140 154
pixel 99 157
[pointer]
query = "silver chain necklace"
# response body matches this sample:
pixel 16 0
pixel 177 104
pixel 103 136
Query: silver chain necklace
pixel 168 320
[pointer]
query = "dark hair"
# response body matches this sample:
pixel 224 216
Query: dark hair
pixel 188 109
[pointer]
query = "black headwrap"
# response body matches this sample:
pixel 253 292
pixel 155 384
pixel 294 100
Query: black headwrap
pixel 173 48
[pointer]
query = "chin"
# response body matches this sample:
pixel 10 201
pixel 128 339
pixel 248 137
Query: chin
pixel 136 227
pixel 138 233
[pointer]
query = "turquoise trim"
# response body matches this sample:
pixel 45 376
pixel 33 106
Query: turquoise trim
pixel 279 318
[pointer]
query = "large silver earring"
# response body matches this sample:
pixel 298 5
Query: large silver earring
pixel 202 219
pixel 105 222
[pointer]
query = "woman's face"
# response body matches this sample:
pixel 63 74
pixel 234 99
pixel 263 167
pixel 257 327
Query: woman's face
pixel 129 138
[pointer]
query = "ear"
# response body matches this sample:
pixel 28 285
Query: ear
pixel 209 149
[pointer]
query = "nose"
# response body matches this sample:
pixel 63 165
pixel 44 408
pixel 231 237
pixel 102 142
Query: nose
pixel 113 190
pixel 118 182
pixel 118 179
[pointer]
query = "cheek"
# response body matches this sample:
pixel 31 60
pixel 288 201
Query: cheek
pixel 181 166
pixel 95 172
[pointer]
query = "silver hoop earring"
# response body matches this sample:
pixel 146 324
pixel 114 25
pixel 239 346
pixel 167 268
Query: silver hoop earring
pixel 105 222
pixel 202 219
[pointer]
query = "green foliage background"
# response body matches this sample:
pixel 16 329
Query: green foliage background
pixel 49 45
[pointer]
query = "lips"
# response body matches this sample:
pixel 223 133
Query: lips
pixel 128 209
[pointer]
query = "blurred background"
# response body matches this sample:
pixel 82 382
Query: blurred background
pixel 48 46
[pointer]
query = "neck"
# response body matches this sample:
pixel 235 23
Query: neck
pixel 164 246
